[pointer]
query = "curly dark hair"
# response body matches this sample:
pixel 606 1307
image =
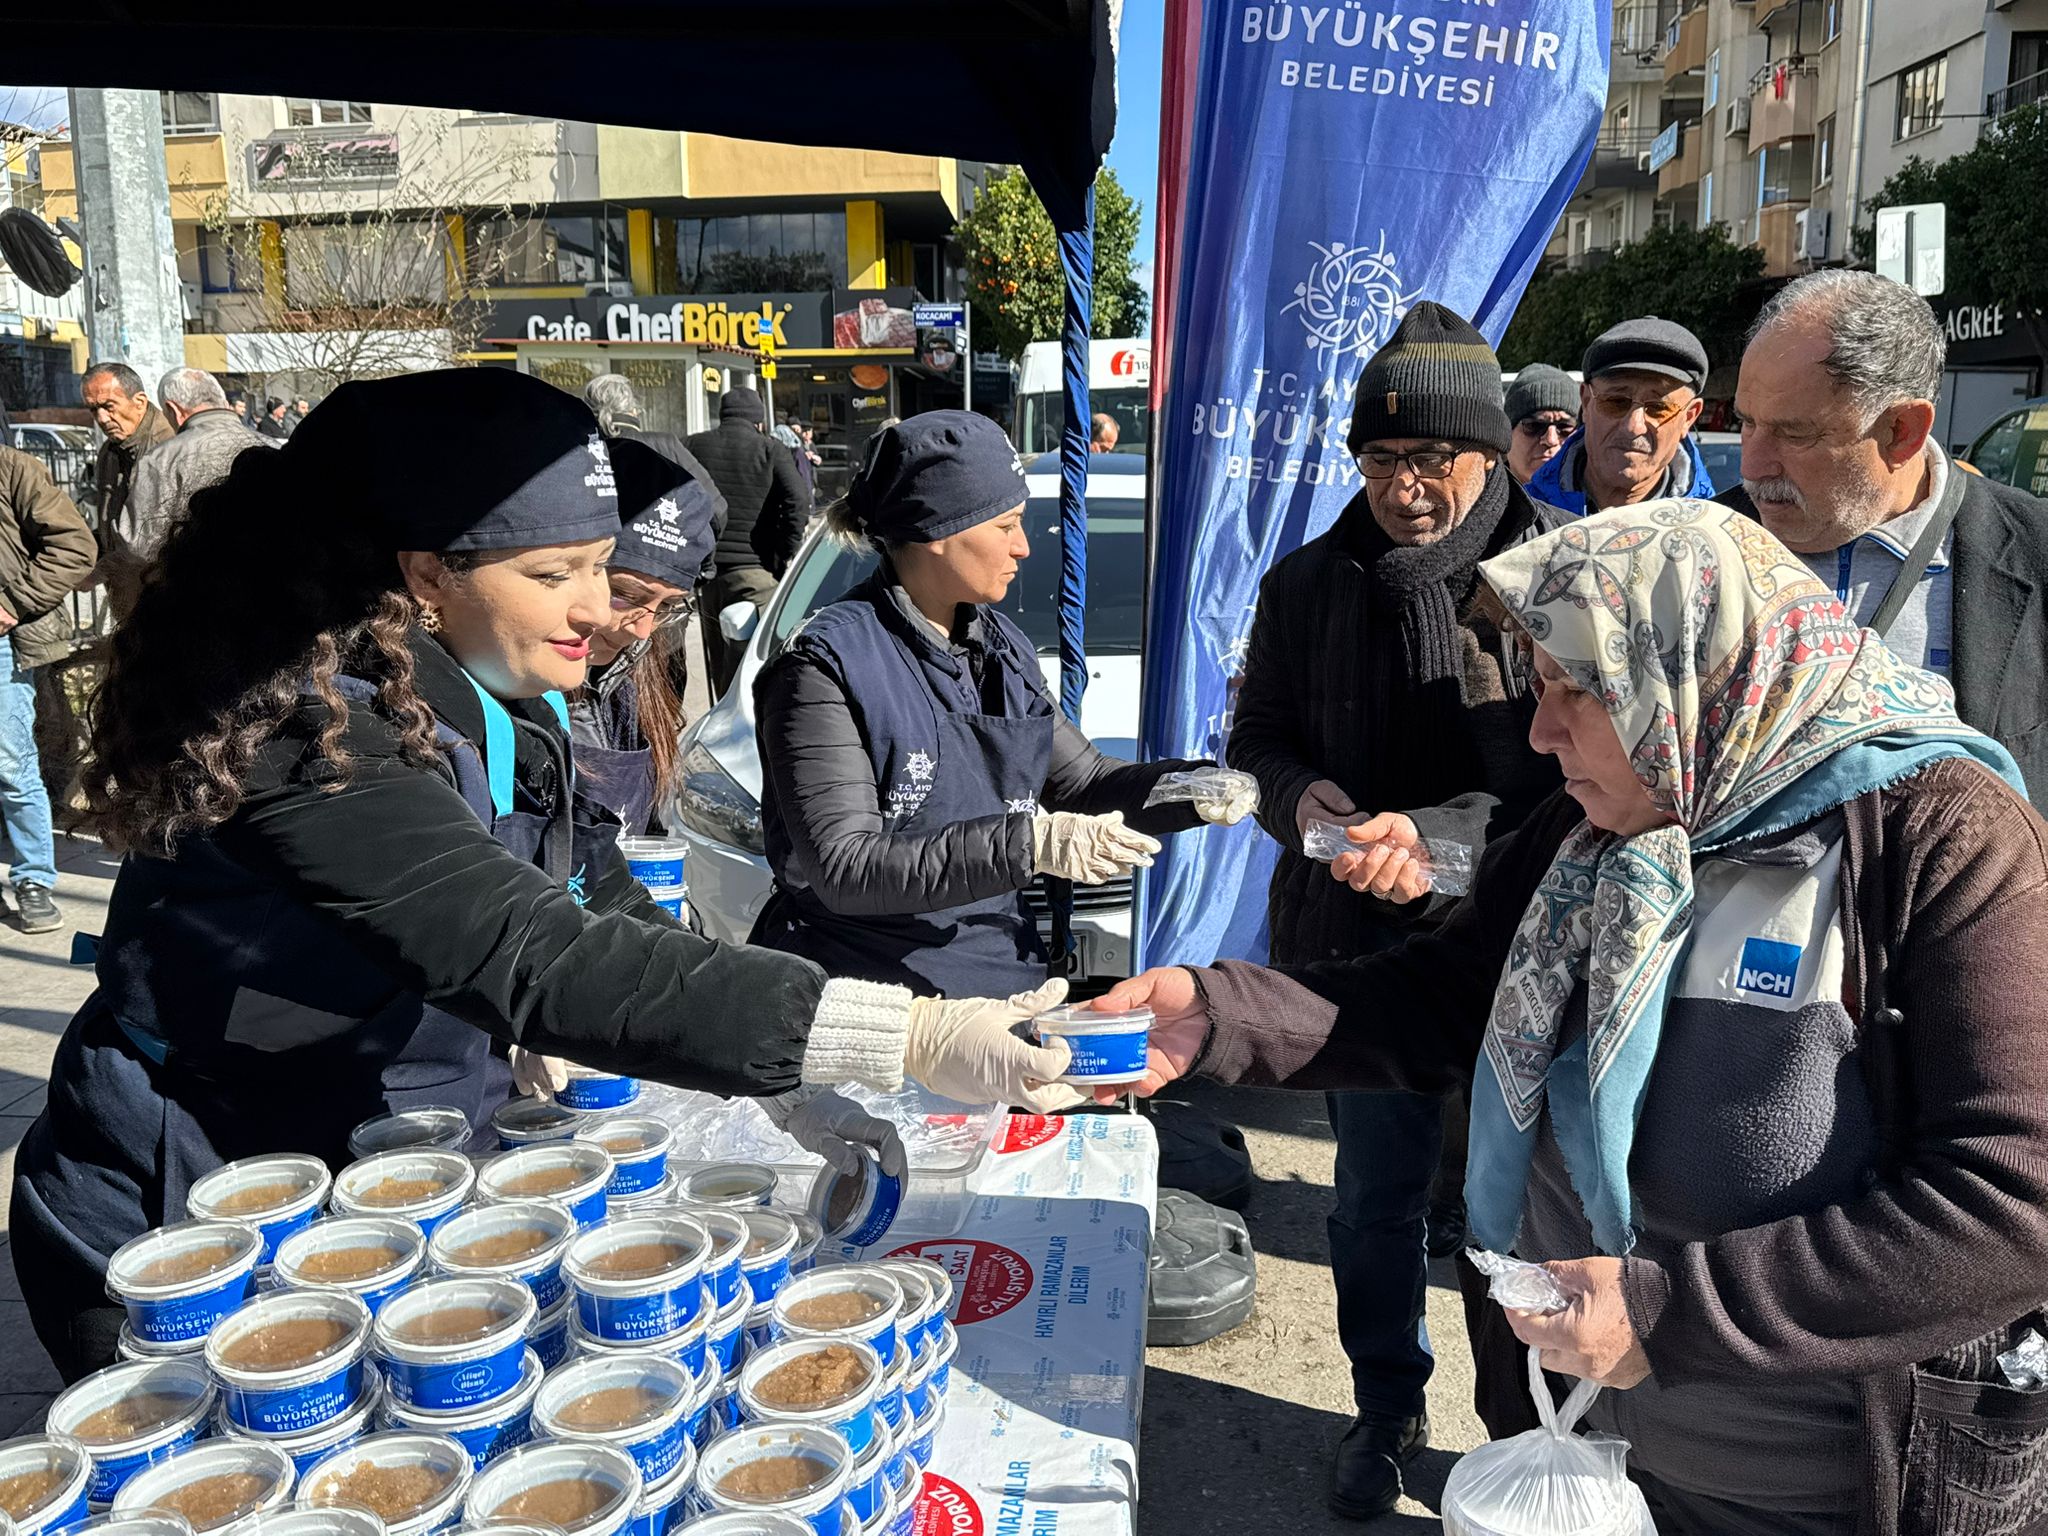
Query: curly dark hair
pixel 295 590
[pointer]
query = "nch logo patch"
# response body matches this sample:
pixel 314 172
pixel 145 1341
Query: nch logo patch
pixel 1768 966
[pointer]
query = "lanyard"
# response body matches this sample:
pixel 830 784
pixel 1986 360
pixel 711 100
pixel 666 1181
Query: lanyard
pixel 498 747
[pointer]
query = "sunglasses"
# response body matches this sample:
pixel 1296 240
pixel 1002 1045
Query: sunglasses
pixel 1538 427
pixel 1619 403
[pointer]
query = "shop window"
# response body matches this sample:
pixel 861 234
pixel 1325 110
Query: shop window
pixel 762 253
pixel 545 250
pixel 190 111
pixel 1923 91
pixel 311 112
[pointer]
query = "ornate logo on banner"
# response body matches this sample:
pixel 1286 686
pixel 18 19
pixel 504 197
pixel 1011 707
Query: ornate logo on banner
pixel 1352 300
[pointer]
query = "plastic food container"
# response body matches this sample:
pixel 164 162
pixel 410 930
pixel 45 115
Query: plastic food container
pixel 760 1326
pixel 439 1126
pixel 868 1490
pixel 688 1347
pixel 311 1446
pixel 141 1522
pixel 639 1146
pixel 725 1407
pixel 217 1485
pixel 128 1347
pixel 937 1281
pixel 68 1467
pixel 178 1281
pixel 918 1324
pixel 454 1342
pixel 625 1289
pixel 942 1362
pixel 771 1243
pixel 726 1334
pixel 609 1478
pixel 728 1233
pixel 739 1524
pixel 1107 1047
pixel 883 1296
pixel 532 1123
pixel 422 1185
pixel 663 1503
pixel 809 1234
pixel 521 1240
pixel 549 1335
pixel 641 1201
pixel 906 1488
pixel 732 1185
pixel 341 1252
pixel 638 1403
pixel 276 1194
pixel 485 1432
pixel 132 1415
pixel 572 1173
pixel 856 1208
pixel 817 1504
pixel 440 1468
pixel 890 1399
pixel 331 1520
pixel 657 863
pixel 588 1089
pixel 924 1430
pixel 849 1410
pixel 917 1386
pixel 317 1344
pixel 704 1387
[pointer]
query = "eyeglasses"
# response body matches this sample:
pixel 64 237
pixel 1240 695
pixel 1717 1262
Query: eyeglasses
pixel 666 614
pixel 1429 464
pixel 1539 428
pixel 1619 403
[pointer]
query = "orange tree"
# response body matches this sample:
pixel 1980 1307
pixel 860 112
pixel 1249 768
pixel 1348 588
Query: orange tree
pixel 1013 264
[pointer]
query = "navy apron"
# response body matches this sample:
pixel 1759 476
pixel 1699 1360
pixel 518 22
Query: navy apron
pixel 620 780
pixel 229 1022
pixel 939 758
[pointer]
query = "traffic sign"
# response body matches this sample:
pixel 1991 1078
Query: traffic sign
pixel 1910 246
pixel 768 369
pixel 939 316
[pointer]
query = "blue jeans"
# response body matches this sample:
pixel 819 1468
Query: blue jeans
pixel 1388 1145
pixel 24 803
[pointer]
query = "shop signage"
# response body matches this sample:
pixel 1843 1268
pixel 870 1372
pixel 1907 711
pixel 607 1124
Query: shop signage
pixel 1974 322
pixel 939 315
pixel 312 160
pixel 875 319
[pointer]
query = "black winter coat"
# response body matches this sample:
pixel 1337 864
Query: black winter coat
pixel 1301 716
pixel 766 503
pixel 671 447
pixel 1998 652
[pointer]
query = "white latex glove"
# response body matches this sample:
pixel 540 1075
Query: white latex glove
pixel 541 1076
pixel 1088 850
pixel 964 1048
pixel 833 1126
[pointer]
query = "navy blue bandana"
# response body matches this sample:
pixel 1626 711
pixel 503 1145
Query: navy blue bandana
pixel 463 459
pixel 667 516
pixel 935 475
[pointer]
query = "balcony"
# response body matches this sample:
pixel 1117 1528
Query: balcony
pixel 1685 44
pixel 1684 167
pixel 1777 234
pixel 1621 160
pixel 1636 41
pixel 2024 92
pixel 1781 98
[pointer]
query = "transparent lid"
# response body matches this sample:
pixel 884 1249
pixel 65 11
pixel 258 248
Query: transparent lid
pixel 430 1125
pixel 1080 1019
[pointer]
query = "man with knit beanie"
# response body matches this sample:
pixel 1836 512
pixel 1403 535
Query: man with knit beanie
pixel 1543 409
pixel 1378 695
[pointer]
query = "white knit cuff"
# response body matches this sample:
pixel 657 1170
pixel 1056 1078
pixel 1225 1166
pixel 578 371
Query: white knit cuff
pixel 859 1035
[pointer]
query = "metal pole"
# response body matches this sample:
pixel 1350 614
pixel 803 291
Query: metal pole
pixel 136 310
pixel 967 346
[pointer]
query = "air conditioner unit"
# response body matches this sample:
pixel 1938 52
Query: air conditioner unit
pixel 1643 161
pixel 1738 117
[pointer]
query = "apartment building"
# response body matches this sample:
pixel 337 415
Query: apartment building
pixel 322 239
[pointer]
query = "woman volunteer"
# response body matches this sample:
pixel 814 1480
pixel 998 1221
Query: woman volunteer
pixel 1756 1009
pixel 915 777
pixel 338 764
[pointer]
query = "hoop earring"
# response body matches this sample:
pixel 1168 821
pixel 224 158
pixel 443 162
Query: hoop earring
pixel 430 619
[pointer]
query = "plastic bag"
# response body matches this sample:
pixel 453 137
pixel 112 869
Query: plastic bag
pixel 1222 796
pixel 1517 1283
pixel 2026 1363
pixel 1547 1481
pixel 1449 864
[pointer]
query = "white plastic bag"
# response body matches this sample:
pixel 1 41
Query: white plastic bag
pixel 1221 796
pixel 1548 1481
pixel 1449 864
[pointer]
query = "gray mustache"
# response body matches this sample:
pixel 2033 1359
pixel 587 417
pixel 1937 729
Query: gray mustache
pixel 1778 488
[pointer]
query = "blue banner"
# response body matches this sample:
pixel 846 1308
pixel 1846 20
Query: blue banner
pixel 1344 161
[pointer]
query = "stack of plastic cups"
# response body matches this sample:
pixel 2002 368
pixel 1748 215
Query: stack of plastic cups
pixel 178 1281
pixel 523 1240
pixel 422 1185
pixel 657 863
pixel 457 1363
pixel 276 1194
pixel 217 1484
pixel 636 1283
pixel 294 1373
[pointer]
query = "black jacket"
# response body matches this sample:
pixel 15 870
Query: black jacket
pixel 1301 716
pixel 766 504
pixel 670 447
pixel 1998 653
pixel 820 788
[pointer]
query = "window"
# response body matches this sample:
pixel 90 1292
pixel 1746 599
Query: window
pixel 548 249
pixel 1706 199
pixel 229 262
pixel 371 265
pixel 190 111
pixel 306 112
pixel 2029 56
pixel 1831 21
pixel 762 253
pixel 1713 80
pixel 1922 91
pixel 1824 151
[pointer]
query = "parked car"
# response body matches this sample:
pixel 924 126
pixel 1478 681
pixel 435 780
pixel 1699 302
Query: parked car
pixel 718 808
pixel 43 434
pixel 2014 448
pixel 1723 454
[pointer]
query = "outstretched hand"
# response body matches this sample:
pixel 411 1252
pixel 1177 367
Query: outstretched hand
pixel 1389 862
pixel 1180 1026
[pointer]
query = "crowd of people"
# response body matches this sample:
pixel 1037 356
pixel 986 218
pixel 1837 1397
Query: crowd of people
pixel 1732 1029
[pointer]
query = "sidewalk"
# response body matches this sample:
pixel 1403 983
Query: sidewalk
pixel 39 991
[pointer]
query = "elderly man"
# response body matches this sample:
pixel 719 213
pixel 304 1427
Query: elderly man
pixel 1377 694
pixel 1103 434
pixel 1543 408
pixel 46 552
pixel 1636 410
pixel 122 411
pixel 209 439
pixel 1836 398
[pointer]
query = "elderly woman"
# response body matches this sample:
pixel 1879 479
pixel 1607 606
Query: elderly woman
pixel 1752 1010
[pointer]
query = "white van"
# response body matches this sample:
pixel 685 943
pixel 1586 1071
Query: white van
pixel 1119 386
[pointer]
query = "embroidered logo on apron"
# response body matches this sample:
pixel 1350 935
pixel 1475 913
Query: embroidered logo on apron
pixel 908 795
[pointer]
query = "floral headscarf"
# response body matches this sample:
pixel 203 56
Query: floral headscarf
pixel 1749 702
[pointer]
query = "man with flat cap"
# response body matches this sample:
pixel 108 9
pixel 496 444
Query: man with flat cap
pixel 1636 409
